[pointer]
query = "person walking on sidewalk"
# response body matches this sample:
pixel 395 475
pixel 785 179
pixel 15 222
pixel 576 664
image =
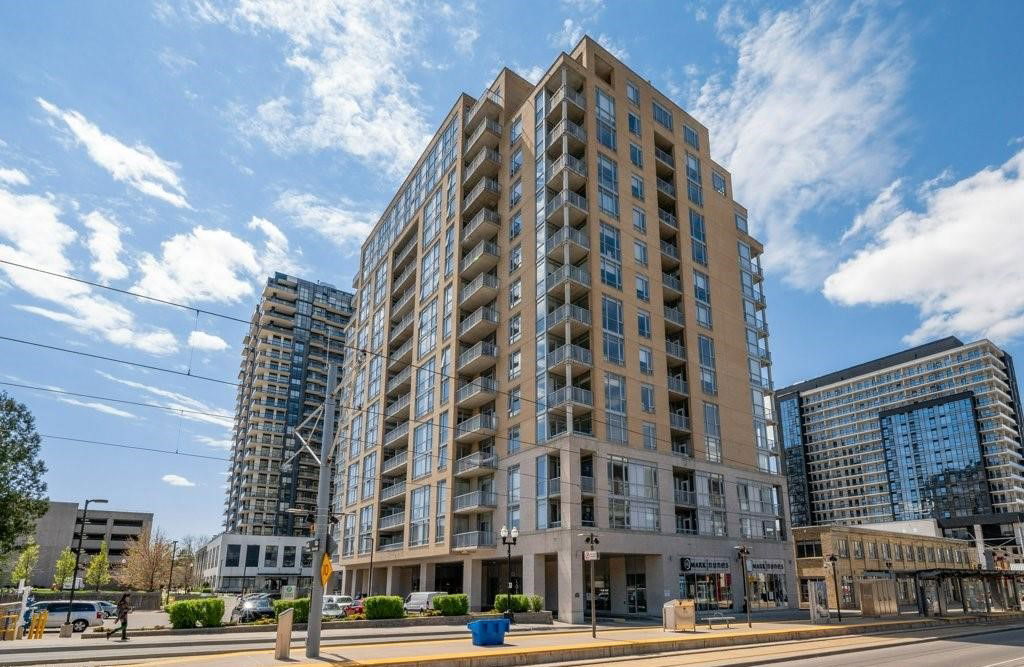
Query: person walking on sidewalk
pixel 123 607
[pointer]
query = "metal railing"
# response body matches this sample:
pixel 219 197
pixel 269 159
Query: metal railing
pixel 473 539
pixel 397 406
pixel 678 384
pixel 396 461
pixel 477 316
pixel 570 94
pixel 476 460
pixel 396 433
pixel 571 394
pixel 483 280
pixel 484 215
pixel 569 272
pixel 671 281
pixel 477 252
pixel 483 155
pixel 570 162
pixel 476 498
pixel 568 127
pixel 399 379
pixel 567 235
pixel 666 187
pixel 677 420
pixel 570 352
pixel 669 249
pixel 685 497
pixel 567 311
pixel 478 189
pixel 668 218
pixel 476 386
pixel 665 157
pixel 400 352
pixel 486 125
pixel 481 349
pixel 392 491
pixel 481 421
pixel 391 520
pixel 488 95
pixel 674 315
pixel 586 484
pixel 567 197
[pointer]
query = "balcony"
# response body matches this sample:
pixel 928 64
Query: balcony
pixel 475 428
pixel 474 501
pixel 477 359
pixel 475 465
pixel 480 324
pixel 486 163
pixel 671 285
pixel 473 540
pixel 488 106
pixel 665 158
pixel 396 465
pixel 400 381
pixel 675 350
pixel 400 331
pixel 753 268
pixel 575 240
pixel 576 277
pixel 765 357
pixel 391 522
pixel 581 400
pixel 567 200
pixel 669 255
pixel 400 357
pixel 486 134
pixel 678 386
pixel 577 103
pixel 485 193
pixel 405 280
pixel 673 319
pixel 576 137
pixel 577 317
pixel 482 227
pixel 480 259
pixel 587 485
pixel 567 165
pixel 393 545
pixel 666 189
pixel 402 306
pixel 406 255
pixel 554 487
pixel 395 491
pixel 570 356
pixel 679 422
pixel 755 295
pixel 476 393
pixel 479 291
pixel 682 448
pixel 399 435
pixel 399 409
pixel 685 497
pixel 668 222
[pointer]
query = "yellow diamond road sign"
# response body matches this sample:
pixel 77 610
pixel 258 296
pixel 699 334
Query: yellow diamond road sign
pixel 325 570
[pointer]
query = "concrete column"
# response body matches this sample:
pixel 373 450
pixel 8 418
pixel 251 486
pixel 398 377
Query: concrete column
pixel 979 545
pixel 392 585
pixel 569 461
pixel 426 577
pixel 617 584
pixel 662 581
pixel 533 574
pixel 570 584
pixel 472 582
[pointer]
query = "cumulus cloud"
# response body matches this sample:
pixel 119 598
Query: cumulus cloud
pixel 217 443
pixel 104 244
pixel 13 176
pixel 177 480
pixel 956 258
pixel 138 166
pixel 178 401
pixel 201 340
pixel 572 32
pixel 807 119
pixel 345 222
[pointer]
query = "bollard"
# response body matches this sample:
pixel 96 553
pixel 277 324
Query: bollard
pixel 284 634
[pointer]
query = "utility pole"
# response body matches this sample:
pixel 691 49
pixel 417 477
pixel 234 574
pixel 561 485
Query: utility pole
pixel 78 556
pixel 170 570
pixel 323 502
pixel 744 554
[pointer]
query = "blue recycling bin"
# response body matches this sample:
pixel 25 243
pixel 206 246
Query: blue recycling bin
pixel 489 632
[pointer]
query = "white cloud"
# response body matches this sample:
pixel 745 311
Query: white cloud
pixel 201 340
pixel 174 61
pixel 217 443
pixel 807 120
pixel 276 254
pixel 532 74
pixel 178 401
pixel 346 223
pixel 139 166
pixel 585 6
pixel 886 206
pixel 105 245
pixel 98 407
pixel 957 260
pixel 177 480
pixel 572 32
pixel 13 176
pixel 32 234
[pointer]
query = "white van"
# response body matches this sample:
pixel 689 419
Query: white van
pixel 83 613
pixel 421 602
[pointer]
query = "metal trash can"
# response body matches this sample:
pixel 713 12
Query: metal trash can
pixel 679 615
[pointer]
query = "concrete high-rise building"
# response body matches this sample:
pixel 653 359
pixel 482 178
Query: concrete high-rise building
pixel 933 432
pixel 296 330
pixel 565 333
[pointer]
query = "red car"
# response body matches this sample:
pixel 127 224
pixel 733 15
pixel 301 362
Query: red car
pixel 355 608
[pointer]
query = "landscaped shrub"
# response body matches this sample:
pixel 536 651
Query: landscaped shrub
pixel 536 603
pixel 300 605
pixel 520 603
pixel 383 606
pixel 182 614
pixel 187 613
pixel 456 604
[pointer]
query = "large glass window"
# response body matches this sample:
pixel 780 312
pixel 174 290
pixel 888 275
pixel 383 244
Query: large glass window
pixel 369 475
pixel 662 115
pixel 425 388
pixel 608 185
pixel 615 405
pixel 422 449
pixel 427 330
pixel 612 323
pixel 419 519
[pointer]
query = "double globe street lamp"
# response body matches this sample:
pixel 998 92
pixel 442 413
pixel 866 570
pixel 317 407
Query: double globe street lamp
pixel 508 539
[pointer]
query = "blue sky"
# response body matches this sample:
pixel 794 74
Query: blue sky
pixel 186 150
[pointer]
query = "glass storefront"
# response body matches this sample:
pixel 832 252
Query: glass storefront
pixel 706 581
pixel 767 582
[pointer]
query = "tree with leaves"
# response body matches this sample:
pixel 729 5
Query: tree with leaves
pixel 25 564
pixel 64 569
pixel 146 562
pixel 22 489
pixel 98 572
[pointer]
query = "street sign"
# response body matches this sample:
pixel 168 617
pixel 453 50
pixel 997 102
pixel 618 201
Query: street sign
pixel 325 571
pixel 591 555
pixel 288 592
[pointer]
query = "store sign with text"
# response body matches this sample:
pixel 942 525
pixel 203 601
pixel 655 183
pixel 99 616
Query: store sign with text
pixel 703 564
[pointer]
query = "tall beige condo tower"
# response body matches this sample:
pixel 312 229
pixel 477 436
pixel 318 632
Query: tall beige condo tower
pixel 564 331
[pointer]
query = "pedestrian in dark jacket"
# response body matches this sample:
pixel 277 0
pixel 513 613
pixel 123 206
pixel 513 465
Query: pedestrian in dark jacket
pixel 123 607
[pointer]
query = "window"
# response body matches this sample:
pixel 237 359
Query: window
pixel 515 293
pixel 288 556
pixel 515 225
pixel 611 273
pixel 515 328
pixel 639 220
pixel 419 518
pixel 443 434
pixel 608 185
pixel 634 124
pixel 691 137
pixel 451 201
pixel 515 364
pixel 643 324
pixel 422 448
pixel 352 485
pixel 428 329
pixel 808 549
pixel 741 223
pixel 429 276
pixel 640 253
pixel 611 270
pixel 441 510
pixel 514 402
pixel 514 441
pixel 373 385
pixel 650 432
pixel 718 182
pixel 516 131
pixel 643 287
pixel 605 119
pixel 369 475
pixel 515 258
pixel 612 323
pixel 636 186
pixel 449 250
pixel 432 217
pixel 515 193
pixel 636 155
pixel 708 376
pixel 615 402
pixel 702 293
pixel 646 361
pixel 233 555
pixel 647 397
pixel 632 93
pixel 516 162
pixel 662 115
pixel 712 433
pixel 698 238
pixel 425 388
pixel 513 495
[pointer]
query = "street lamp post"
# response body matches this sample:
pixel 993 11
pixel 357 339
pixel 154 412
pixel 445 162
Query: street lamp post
pixel 744 552
pixel 170 570
pixel 78 556
pixel 369 585
pixel 508 539
pixel 834 560
pixel 592 542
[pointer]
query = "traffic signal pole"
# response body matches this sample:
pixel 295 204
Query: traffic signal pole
pixel 323 502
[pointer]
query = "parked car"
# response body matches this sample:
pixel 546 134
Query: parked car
pixel 84 613
pixel 355 608
pixel 422 601
pixel 340 600
pixel 253 609
pixel 109 608
pixel 333 610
